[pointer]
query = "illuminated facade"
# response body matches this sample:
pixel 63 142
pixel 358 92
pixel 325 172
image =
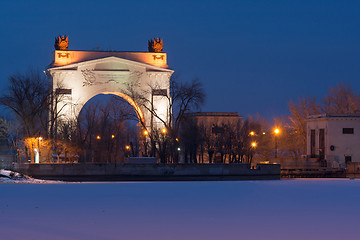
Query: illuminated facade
pixel 80 75
pixel 334 139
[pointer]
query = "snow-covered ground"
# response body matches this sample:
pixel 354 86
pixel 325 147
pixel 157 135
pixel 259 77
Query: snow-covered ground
pixel 285 209
pixel 7 176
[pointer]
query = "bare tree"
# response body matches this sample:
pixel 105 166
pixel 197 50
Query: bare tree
pixel 183 98
pixel 341 99
pixel 103 133
pixel 27 97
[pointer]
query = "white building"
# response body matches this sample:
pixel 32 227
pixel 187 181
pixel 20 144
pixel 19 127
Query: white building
pixel 80 75
pixel 334 139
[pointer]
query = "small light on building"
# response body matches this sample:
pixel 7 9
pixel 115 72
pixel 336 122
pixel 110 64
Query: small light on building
pixel 252 133
pixel 146 132
pixel 113 136
pixel 98 137
pixel 253 144
pixel 178 149
pixel 127 147
pixel 163 130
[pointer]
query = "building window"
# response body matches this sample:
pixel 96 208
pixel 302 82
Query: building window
pixel 348 130
pixel 312 143
pixel 159 92
pixel 321 144
pixel 63 91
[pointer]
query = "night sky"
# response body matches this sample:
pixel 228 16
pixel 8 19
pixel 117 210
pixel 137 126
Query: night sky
pixel 252 56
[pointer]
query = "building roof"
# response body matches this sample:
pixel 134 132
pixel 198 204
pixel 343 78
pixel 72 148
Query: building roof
pixel 63 58
pixel 214 114
pixel 333 116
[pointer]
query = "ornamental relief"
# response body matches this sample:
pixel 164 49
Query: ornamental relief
pixel 92 77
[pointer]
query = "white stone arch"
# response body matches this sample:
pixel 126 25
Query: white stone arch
pixel 136 107
pixel 81 75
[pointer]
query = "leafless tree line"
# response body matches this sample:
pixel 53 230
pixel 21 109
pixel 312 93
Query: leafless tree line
pixel 102 132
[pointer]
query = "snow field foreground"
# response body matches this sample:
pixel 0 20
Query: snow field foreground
pixel 285 209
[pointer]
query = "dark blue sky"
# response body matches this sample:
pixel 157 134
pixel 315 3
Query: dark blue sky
pixel 252 56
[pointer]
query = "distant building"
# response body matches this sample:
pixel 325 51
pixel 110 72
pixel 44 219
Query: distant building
pixel 334 139
pixel 216 118
pixel 214 126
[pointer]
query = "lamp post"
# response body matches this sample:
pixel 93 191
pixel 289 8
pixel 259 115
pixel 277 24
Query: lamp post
pixel 252 151
pixel 276 132
pixel 146 133
pixel 37 150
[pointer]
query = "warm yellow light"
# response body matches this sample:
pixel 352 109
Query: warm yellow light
pixel 40 138
pixel 163 130
pixel 98 137
pixel 177 139
pixel 127 147
pixel 252 133
pixel 113 136
pixel 253 144
pixel 146 132
pixel 277 131
pixel 264 133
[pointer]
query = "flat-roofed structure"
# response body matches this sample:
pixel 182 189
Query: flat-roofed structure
pixel 334 139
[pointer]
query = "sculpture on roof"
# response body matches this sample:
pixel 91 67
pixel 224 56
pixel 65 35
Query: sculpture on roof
pixel 62 43
pixel 156 45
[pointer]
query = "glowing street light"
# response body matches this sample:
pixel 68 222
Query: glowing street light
pixel 254 144
pixel 98 137
pixel 146 132
pixel 252 133
pixel 164 130
pixel 112 136
pixel 127 147
pixel 276 132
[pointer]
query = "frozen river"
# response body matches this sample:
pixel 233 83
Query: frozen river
pixel 285 209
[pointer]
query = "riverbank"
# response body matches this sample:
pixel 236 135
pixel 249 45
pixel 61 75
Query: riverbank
pixel 149 172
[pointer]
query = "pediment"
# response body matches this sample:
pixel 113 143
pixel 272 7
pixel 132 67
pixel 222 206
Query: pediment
pixel 111 64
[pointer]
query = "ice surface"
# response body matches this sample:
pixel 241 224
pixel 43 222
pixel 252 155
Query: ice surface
pixel 285 209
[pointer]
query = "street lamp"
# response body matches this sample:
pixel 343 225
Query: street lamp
pixel 276 132
pixel 164 130
pixel 146 133
pixel 252 133
pixel 253 144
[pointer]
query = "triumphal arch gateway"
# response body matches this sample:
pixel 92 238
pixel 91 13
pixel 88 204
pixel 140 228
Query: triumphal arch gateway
pixel 141 78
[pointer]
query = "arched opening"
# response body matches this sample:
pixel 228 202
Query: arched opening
pixel 109 126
